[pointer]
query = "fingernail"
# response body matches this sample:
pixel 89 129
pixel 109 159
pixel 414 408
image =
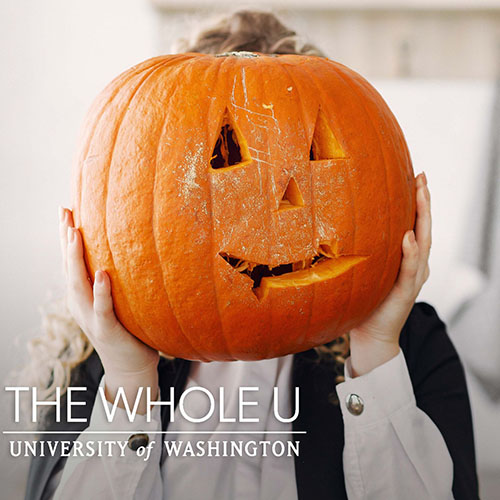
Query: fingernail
pixel 61 213
pixel 424 177
pixel 71 234
pixel 99 277
pixel 411 237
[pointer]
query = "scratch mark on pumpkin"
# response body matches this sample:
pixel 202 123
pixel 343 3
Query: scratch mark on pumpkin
pixel 260 160
pixel 258 150
pixel 252 112
pixel 244 84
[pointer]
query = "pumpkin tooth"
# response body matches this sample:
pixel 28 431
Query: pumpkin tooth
pixel 318 261
pixel 242 266
pixel 326 250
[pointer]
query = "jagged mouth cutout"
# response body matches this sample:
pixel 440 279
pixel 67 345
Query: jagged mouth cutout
pixel 325 265
pixel 231 151
pixel 258 271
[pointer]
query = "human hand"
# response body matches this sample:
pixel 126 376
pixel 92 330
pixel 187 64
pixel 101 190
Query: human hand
pixel 376 340
pixel 127 362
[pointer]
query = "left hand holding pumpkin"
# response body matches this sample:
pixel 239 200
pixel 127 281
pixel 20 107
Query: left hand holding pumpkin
pixel 376 340
pixel 127 362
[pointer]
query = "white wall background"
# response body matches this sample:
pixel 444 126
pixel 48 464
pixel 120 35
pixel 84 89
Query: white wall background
pixel 57 55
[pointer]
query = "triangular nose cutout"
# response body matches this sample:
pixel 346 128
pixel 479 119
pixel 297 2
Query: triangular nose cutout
pixel 292 198
pixel 324 145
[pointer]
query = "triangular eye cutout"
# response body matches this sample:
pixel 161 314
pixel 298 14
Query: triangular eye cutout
pixel 230 148
pixel 292 198
pixel 324 145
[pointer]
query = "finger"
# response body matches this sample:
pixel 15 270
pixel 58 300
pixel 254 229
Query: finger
pixel 79 288
pixel 409 265
pixel 63 235
pixel 103 303
pixel 71 222
pixel 423 223
pixel 65 221
pixel 427 272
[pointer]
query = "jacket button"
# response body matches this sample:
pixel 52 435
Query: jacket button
pixel 136 441
pixel 355 404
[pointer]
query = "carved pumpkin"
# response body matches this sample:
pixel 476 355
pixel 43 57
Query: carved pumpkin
pixel 245 206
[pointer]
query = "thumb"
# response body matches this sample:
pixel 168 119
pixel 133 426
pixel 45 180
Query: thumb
pixel 106 321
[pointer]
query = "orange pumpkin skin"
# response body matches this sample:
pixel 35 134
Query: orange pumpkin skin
pixel 324 170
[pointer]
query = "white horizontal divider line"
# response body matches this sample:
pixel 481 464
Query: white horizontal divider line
pixel 154 432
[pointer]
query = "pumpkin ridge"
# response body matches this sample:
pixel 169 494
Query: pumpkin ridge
pixel 313 213
pixel 271 224
pixel 382 149
pixel 320 91
pixel 106 201
pixel 118 82
pixel 155 242
pixel 337 72
pixel 391 121
pixel 212 232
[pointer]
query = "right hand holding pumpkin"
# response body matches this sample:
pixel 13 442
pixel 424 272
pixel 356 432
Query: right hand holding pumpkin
pixel 127 362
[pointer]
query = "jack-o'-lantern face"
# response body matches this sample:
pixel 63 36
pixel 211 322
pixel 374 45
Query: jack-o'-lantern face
pixel 231 151
pixel 254 206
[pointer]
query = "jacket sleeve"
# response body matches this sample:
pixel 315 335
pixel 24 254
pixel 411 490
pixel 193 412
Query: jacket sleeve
pixel 45 469
pixel 105 464
pixel 440 389
pixel 392 448
pixel 414 437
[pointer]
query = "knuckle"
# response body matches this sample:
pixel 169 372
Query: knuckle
pixel 412 272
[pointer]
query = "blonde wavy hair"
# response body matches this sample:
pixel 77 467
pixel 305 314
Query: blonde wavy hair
pixel 63 346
